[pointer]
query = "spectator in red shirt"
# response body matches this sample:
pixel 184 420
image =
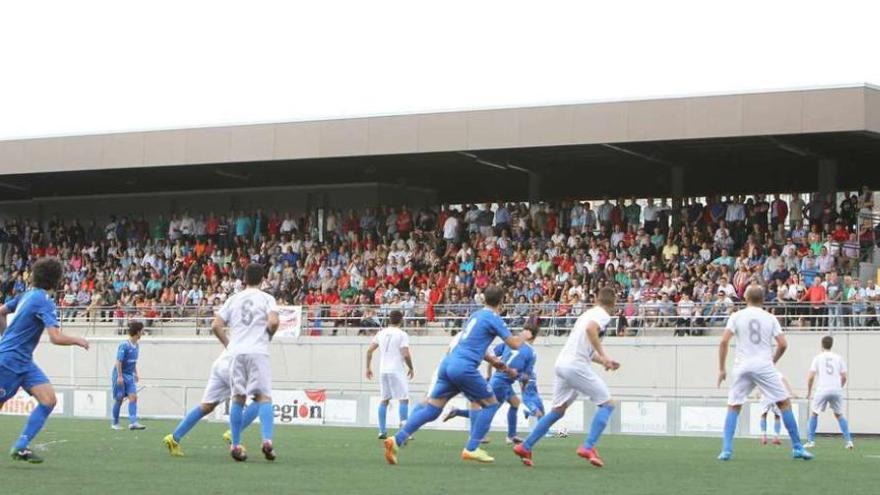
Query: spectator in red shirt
pixel 816 296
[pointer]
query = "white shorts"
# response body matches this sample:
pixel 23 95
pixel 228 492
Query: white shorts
pixel 393 386
pixel 571 382
pixel 768 407
pixel 251 374
pixel 218 388
pixel 824 399
pixel 763 375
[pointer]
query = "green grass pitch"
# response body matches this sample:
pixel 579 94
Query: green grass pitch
pixel 87 457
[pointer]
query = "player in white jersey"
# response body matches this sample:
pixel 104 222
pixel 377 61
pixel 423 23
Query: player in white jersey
pixel 217 390
pixel 393 345
pixel 756 331
pixel 830 369
pixel 767 407
pixel 575 376
pixel 252 319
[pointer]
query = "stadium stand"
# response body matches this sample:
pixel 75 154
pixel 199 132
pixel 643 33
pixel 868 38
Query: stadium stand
pixel 673 268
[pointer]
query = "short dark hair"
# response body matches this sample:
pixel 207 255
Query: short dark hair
pixel 494 295
pixel 253 274
pixel 606 296
pixel 827 342
pixel 46 273
pixel 135 328
pixel 395 317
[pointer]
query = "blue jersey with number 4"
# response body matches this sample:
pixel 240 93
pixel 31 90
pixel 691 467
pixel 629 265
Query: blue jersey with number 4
pixel 479 332
pixel 34 312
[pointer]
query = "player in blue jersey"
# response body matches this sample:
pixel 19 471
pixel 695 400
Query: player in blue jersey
pixel 124 377
pixel 520 368
pixel 459 373
pixel 34 312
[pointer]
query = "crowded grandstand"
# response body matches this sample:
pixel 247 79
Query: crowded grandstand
pixel 685 267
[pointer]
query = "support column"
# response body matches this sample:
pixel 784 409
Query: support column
pixel 535 186
pixel 827 179
pixel 676 181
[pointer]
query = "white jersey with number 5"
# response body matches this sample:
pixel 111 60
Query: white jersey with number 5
pixel 756 331
pixel 247 315
pixel 828 367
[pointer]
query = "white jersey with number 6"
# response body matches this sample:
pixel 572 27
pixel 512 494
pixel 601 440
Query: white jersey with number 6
pixel 756 331
pixel 247 315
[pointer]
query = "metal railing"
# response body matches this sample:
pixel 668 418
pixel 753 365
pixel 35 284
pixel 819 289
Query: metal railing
pixel 553 318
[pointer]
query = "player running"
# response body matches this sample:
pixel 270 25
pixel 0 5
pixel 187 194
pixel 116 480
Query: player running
pixel 216 391
pixel 459 373
pixel 124 377
pixel 831 370
pixel 252 318
pixel 393 345
pixel 755 331
pixel 34 312
pixel 767 407
pixel 575 376
pixel 520 367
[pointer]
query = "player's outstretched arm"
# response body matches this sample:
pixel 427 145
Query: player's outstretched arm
pixel 781 346
pixel 273 323
pixel 842 379
pixel 218 326
pixel 407 358
pixel 58 338
pixel 370 350
pixel 596 343
pixel 723 347
pixel 810 379
pixel 3 312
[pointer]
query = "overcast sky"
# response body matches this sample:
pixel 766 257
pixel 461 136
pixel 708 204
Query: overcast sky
pixel 97 66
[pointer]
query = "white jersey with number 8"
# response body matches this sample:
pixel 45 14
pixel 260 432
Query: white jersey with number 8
pixel 247 315
pixel 756 331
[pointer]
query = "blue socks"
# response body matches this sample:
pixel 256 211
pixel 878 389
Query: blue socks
pixel 764 424
pixel 196 414
pixel 416 408
pixel 188 422
pixel 235 415
pixel 811 427
pixel 777 426
pixel 250 414
pixel 511 421
pixel 791 426
pixel 403 410
pixel 844 428
pixel 117 407
pixel 33 426
pixel 132 412
pixel 600 421
pixel 267 420
pixel 463 413
pixel 542 428
pixel 482 423
pixel 383 413
pixel 419 417
pixel 729 430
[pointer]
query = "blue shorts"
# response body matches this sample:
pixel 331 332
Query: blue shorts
pixel 502 389
pixel 532 402
pixel 27 378
pixel 455 377
pixel 128 387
